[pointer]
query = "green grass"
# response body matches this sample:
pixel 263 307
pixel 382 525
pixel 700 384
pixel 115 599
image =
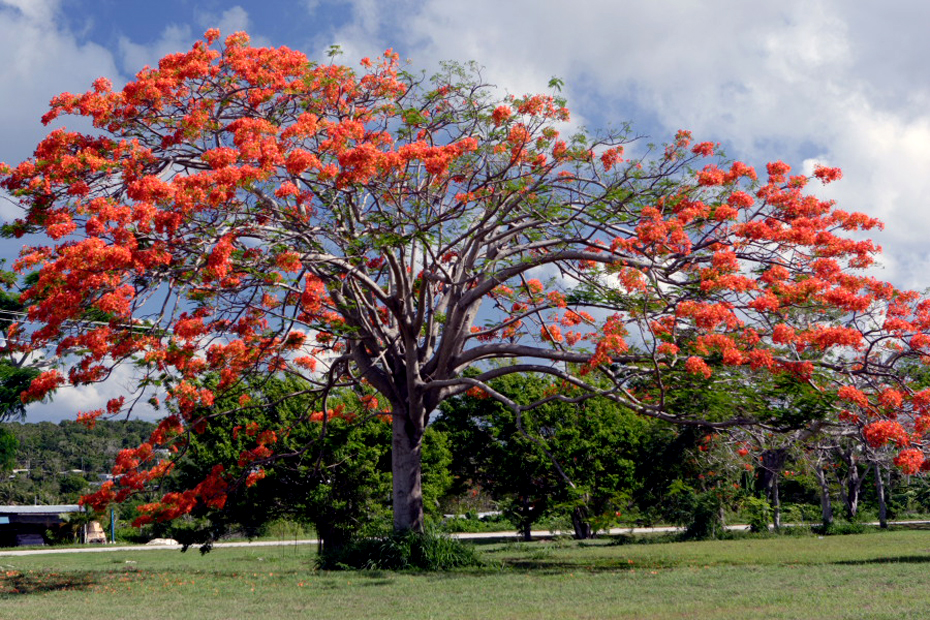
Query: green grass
pixel 878 575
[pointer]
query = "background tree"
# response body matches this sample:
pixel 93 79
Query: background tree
pixel 246 212
pixel 15 374
pixel 332 474
pixel 8 445
pixel 16 370
pixel 576 459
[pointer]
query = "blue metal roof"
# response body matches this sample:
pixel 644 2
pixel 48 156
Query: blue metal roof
pixel 41 510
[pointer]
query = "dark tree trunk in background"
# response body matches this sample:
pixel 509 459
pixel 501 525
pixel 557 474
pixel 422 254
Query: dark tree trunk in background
pixel 826 508
pixel 773 461
pixel 850 487
pixel 581 524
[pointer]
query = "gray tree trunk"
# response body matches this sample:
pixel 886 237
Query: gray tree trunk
pixel 406 467
pixel 826 508
pixel 776 505
pixel 880 492
pixel 849 489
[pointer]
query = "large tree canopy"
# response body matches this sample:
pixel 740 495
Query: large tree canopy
pixel 243 212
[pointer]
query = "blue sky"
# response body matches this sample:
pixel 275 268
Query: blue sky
pixel 840 82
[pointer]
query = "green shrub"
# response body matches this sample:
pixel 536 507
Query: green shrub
pixel 841 529
pixel 401 551
pixel 759 512
pixel 283 528
pixel 705 523
pixel 470 522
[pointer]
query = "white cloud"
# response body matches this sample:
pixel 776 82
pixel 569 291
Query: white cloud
pixel 832 81
pixel 134 56
pixel 35 10
pixel 68 401
pixel 796 80
pixel 180 37
pixel 234 20
pixel 40 60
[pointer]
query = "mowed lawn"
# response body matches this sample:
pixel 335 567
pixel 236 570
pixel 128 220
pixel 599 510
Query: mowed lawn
pixel 879 575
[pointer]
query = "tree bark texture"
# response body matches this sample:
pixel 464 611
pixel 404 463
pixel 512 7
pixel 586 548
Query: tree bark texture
pixel 406 466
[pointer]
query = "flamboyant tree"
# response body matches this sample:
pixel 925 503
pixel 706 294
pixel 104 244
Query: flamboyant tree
pixel 242 212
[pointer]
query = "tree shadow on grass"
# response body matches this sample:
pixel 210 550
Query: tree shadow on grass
pixel 14 583
pixel 546 566
pixel 899 559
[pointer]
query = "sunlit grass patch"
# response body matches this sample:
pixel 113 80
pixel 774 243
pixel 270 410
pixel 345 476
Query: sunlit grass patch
pixel 858 576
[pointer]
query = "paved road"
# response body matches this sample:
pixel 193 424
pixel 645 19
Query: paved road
pixel 9 552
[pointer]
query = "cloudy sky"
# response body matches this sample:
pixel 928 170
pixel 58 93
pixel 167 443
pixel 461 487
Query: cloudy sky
pixel 842 82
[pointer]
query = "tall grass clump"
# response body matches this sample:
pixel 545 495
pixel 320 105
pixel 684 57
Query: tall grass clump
pixel 429 551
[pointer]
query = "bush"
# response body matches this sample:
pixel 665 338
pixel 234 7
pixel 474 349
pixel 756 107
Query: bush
pixel 283 529
pixel 131 535
pixel 842 529
pixel 705 523
pixel 401 551
pixel 759 512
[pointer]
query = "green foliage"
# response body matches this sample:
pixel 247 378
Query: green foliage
pixel 843 529
pixel 596 443
pixel 14 380
pixel 14 377
pixel 437 477
pixel 781 401
pixel 51 453
pixel 69 532
pixel 408 550
pixel 71 486
pixel 667 471
pixel 8 446
pixel 705 522
pixel 759 512
pixel 336 478
pixel 69 445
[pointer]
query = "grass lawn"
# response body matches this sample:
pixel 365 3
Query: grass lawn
pixel 879 575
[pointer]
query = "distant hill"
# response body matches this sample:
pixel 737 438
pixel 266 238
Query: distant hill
pixel 55 463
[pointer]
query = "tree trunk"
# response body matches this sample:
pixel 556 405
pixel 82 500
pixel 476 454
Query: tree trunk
pixel 850 497
pixel 880 492
pixel 526 518
pixel 776 505
pixel 826 508
pixel 332 538
pixel 852 491
pixel 406 467
pixel 773 461
pixel 581 524
pixel 850 487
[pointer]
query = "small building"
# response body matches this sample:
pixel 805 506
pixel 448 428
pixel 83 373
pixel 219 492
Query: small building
pixel 26 525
